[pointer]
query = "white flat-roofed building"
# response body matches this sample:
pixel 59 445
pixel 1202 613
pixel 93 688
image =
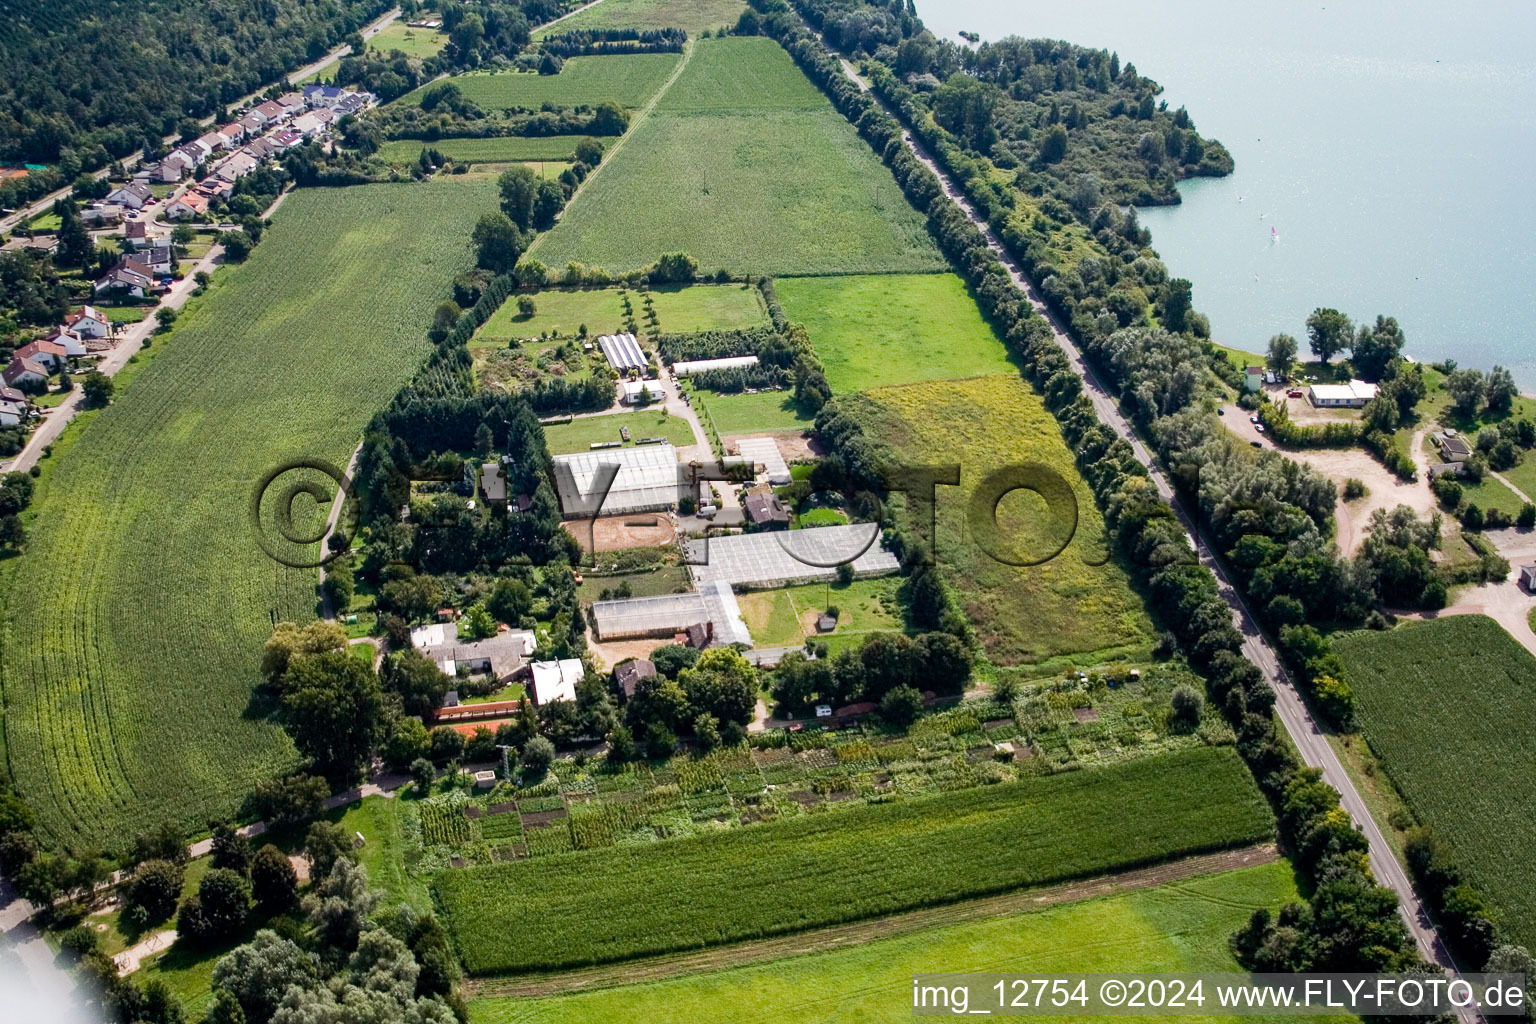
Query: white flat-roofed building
pixel 556 680
pixel 622 352
pixel 764 451
pixel 789 556
pixel 631 390
pixel 648 479
pixel 690 367
pixel 1343 396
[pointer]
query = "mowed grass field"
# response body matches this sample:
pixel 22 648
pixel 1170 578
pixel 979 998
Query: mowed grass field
pixel 692 16
pixel 515 149
pixel 630 80
pixel 679 310
pixel 1022 614
pixel 880 329
pixel 134 622
pixel 784 618
pixel 788 876
pixel 1177 928
pixel 413 42
pixel 1450 708
pixel 752 414
pixel 581 433
pixel 779 183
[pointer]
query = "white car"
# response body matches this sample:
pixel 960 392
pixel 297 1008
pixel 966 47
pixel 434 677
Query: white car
pixel 1254 419
pixel 1259 427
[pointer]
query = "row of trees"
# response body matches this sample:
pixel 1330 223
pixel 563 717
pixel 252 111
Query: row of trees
pixel 1353 923
pixel 885 664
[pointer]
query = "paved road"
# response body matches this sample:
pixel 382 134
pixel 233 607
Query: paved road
pixel 131 161
pixel 1304 731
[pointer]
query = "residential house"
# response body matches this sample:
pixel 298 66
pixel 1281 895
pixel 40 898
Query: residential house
pixel 66 339
pixel 766 510
pixel 493 483
pixel 157 258
pixel 270 112
pixel 636 392
pixel 234 134
pixel 128 275
pixel 627 677
pixel 215 188
pixel 501 655
pixel 24 373
pixel 352 103
pixel 252 124
pixel 15 407
pixel 166 172
pixel 49 354
pixel 1342 396
pixel 1453 447
pixel 89 322
pixel 213 142
pixel 42 245
pixel 261 149
pixel 132 197
pixel 98 214
pixel 1253 378
pixel 184 158
pixel 287 138
pixel 291 103
pixel 313 123
pixel 136 233
pixel 321 96
pixel 237 166
pixel 185 206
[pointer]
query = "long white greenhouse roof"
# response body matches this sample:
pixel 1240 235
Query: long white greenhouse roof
pixel 789 556
pixel 673 613
pixel 622 351
pixel 765 452
pixel 692 366
pixel 648 478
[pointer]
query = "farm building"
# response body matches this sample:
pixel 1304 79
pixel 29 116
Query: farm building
pixel 648 479
pixel 500 655
pixel 780 558
pixel 1342 396
pixel 669 614
pixel 630 391
pixel 764 451
pixel 622 352
pixel 627 677
pixel 556 680
pixel 766 510
pixel 688 368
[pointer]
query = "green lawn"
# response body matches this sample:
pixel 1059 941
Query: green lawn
pixel 1447 706
pixel 1492 493
pixel 664 579
pixel 822 869
pixel 1180 928
pixel 892 329
pixel 143 582
pixel 777 618
pixel 693 16
pixel 752 414
pixel 516 149
pixel 1078 604
pixel 697 307
pixel 762 189
pixel 581 433
pixel 126 314
pixel 420 43
pixel 629 80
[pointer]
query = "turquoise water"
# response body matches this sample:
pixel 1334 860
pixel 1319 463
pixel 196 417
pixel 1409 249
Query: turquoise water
pixel 1392 147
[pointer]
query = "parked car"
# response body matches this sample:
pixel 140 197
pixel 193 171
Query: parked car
pixel 1256 444
pixel 1254 419
pixel 1259 427
pixel 1293 393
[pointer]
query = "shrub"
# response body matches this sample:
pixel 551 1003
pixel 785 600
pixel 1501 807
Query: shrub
pixel 538 755
pixel 274 883
pixel 154 889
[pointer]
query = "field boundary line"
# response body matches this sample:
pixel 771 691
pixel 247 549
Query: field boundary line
pixel 634 125
pixel 822 940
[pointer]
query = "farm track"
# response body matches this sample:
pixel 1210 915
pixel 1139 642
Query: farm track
pixel 825 939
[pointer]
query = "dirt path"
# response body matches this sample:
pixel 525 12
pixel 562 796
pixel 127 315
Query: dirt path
pixel 1506 603
pixel 129 959
pixel 824 939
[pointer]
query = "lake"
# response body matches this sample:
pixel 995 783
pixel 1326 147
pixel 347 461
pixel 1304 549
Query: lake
pixel 1391 147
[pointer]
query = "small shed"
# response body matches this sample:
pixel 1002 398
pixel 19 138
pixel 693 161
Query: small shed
pixel 485 779
pixel 1528 578
pixel 825 623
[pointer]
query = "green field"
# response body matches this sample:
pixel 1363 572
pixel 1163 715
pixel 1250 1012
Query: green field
pixel 629 80
pixel 778 618
pixel 873 331
pixel 133 621
pixel 752 414
pixel 825 869
pixel 766 188
pixel 1447 706
pixel 1179 928
pixel 581 433
pixel 693 16
pixel 679 310
pixel 1021 614
pixel 420 43
pixel 515 149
